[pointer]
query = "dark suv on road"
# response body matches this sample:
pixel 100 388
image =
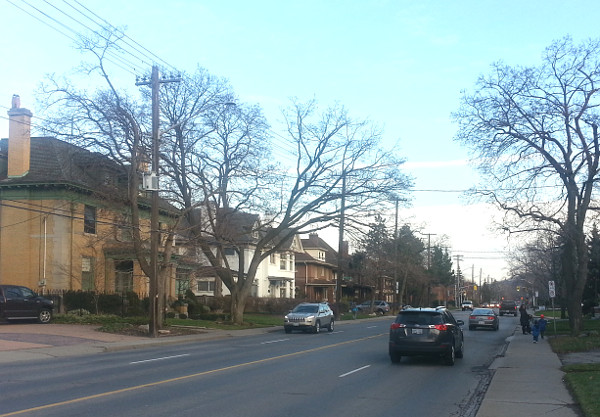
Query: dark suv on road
pixel 509 307
pixel 309 316
pixel 426 332
pixel 17 302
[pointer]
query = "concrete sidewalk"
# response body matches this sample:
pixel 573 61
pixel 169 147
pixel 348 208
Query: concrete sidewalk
pixel 528 382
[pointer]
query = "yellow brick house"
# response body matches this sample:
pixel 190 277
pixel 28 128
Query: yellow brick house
pixel 63 222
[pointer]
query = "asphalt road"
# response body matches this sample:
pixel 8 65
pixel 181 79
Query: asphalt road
pixel 344 373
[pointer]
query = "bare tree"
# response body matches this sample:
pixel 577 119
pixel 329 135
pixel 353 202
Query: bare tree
pixel 334 156
pixel 110 122
pixel 535 132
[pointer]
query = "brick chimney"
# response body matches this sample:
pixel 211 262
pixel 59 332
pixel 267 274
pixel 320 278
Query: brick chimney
pixel 19 139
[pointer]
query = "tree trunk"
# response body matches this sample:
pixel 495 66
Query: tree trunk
pixel 238 305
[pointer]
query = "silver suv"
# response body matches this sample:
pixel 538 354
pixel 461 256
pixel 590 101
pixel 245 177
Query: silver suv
pixel 309 316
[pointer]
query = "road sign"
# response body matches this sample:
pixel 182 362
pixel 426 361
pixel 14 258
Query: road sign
pixel 551 289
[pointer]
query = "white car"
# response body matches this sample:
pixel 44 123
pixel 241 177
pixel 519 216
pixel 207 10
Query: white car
pixel 467 305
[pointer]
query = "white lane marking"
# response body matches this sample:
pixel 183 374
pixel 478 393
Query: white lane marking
pixel 339 331
pixel 351 372
pixel 371 327
pixel 160 359
pixel 274 341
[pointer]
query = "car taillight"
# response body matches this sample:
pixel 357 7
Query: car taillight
pixel 472 317
pixel 397 326
pixel 441 327
pixel 490 318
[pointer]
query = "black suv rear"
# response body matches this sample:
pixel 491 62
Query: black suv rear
pixel 509 307
pixel 426 331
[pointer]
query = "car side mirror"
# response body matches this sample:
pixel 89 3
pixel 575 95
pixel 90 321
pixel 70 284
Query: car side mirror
pixel 460 322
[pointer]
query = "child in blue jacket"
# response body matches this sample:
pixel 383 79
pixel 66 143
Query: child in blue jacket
pixel 535 331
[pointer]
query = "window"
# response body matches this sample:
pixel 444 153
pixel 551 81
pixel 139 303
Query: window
pixel 123 276
pixel 273 258
pixel 182 283
pixel 283 261
pixel 89 219
pixel 229 251
pixel 87 273
pixel 206 286
pixel 126 234
pixel 291 268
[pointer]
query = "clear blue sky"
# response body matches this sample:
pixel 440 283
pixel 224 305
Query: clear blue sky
pixel 401 64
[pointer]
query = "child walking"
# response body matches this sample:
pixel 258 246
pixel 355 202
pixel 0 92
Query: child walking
pixel 535 331
pixel 542 322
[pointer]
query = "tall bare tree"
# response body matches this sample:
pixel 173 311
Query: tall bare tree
pixel 229 171
pixel 534 131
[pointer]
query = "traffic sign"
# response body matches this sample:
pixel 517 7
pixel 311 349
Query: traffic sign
pixel 551 289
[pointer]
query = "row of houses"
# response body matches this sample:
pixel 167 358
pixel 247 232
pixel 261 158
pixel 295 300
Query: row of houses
pixel 64 225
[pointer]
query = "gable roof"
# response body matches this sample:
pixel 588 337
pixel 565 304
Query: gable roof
pixel 314 242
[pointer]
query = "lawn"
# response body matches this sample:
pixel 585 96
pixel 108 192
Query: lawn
pixel 582 379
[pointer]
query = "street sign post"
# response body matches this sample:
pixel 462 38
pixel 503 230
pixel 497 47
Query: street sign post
pixel 552 293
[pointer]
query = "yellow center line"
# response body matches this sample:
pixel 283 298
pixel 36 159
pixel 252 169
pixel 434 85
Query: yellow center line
pixel 181 378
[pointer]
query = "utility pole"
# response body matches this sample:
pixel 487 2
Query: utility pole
pixel 457 289
pixel 155 290
pixel 340 274
pixel 396 284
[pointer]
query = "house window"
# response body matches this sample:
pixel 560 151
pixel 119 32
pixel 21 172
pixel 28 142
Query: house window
pixel 291 268
pixel 229 251
pixel 89 219
pixel 206 286
pixel 182 283
pixel 283 261
pixel 123 277
pixel 87 274
pixel 273 258
pixel 126 234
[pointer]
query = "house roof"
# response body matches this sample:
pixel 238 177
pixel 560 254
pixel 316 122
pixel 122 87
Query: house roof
pixel 314 242
pixel 54 161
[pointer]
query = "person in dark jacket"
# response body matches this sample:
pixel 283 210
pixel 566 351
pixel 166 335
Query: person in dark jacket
pixel 524 319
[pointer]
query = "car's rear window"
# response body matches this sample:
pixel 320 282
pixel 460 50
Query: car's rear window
pixel 423 319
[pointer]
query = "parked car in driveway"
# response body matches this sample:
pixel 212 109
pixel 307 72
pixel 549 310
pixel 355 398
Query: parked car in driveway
pixel 426 332
pixel 379 307
pixel 309 317
pixel 484 317
pixel 21 303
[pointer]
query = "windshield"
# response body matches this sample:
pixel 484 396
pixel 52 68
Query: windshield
pixel 305 309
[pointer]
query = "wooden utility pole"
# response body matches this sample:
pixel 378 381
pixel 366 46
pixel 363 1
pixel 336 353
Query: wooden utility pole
pixel 155 289
pixel 340 260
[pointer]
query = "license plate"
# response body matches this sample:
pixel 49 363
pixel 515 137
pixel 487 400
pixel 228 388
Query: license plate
pixel 417 331
pixel 481 322
pixel 296 324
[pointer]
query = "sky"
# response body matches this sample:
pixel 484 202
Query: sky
pixel 400 64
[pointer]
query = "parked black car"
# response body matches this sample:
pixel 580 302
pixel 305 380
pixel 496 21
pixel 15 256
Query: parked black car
pixel 428 332
pixel 18 303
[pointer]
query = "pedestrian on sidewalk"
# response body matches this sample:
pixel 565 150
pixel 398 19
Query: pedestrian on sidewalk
pixel 524 319
pixel 535 331
pixel 542 322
